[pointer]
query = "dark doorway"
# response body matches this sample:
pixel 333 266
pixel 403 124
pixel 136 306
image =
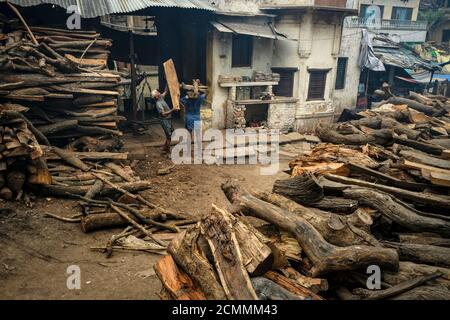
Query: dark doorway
pixel 446 35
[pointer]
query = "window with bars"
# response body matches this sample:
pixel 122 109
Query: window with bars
pixel 242 51
pixel 285 87
pixel 317 83
pixel 341 72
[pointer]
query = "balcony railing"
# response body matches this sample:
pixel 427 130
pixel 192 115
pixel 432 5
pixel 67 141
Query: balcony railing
pixel 358 22
pixel 338 4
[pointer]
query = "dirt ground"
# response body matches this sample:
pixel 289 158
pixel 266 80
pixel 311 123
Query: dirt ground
pixel 35 251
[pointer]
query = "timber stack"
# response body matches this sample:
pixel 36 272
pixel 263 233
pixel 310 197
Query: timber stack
pixel 57 97
pixel 371 201
pixel 61 76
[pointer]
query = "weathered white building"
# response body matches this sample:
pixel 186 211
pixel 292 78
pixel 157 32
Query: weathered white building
pixel 397 20
pixel 298 39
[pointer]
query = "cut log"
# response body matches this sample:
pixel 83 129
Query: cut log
pixel 292 286
pixel 188 255
pixel 302 189
pixel 336 229
pixel 218 231
pixel 422 146
pixel 386 178
pixel 119 171
pixel 417 197
pixel 41 174
pixel 59 126
pixel 71 159
pixel 316 285
pixel 425 159
pixel 176 282
pixel 421 253
pixel 95 189
pixel 328 134
pixel 428 110
pixel 397 211
pixel 269 290
pixel 101 221
pixel 397 289
pixel 324 256
pixel 256 255
pixel 69 191
pixel 423 238
pixel 409 270
pixel 335 204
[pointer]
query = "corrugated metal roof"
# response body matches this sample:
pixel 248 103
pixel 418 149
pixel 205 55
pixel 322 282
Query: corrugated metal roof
pixel 96 8
pixel 262 29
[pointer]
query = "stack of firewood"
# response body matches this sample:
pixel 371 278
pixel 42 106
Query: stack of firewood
pixel 375 196
pixel 62 77
pixel 21 157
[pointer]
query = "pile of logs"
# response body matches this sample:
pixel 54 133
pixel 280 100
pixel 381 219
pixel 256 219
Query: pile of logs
pixel 61 76
pixel 374 196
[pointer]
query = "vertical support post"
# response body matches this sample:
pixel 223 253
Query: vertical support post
pixel 133 76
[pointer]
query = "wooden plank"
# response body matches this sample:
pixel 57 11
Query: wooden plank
pixel 440 179
pixel 172 83
pixel 419 166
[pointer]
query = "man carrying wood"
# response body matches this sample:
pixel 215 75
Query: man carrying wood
pixel 192 103
pixel 165 114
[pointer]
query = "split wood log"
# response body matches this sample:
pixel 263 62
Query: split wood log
pixel 400 128
pixel 397 289
pixel 218 231
pixel 428 110
pixel 422 146
pixel 269 290
pixel 397 211
pixel 188 255
pixel 119 171
pixel 420 98
pixel 256 255
pixel 354 167
pixel 16 115
pixel 95 189
pixel 302 189
pixel 292 286
pixel 425 159
pixel 316 285
pixel 417 197
pixel 71 159
pixel 324 256
pixel 40 174
pixel 423 238
pixel 338 230
pixel 410 270
pixel 421 253
pixel 175 281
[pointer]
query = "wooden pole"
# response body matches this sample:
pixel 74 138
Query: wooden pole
pixel 133 76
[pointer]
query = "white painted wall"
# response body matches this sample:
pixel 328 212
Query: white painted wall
pixel 347 97
pixel 220 64
pixel 318 45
